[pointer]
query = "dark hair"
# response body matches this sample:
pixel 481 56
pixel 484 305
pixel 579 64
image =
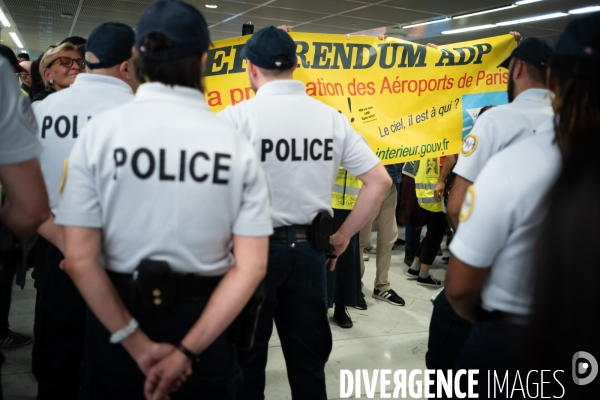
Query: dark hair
pixel 566 301
pixel 37 83
pixel 23 55
pixel 578 108
pixel 484 109
pixel 76 41
pixel 535 73
pixel 276 72
pixel 183 72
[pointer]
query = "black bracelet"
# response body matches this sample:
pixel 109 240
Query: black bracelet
pixel 193 357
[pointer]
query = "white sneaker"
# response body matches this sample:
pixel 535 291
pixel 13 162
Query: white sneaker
pixel 436 294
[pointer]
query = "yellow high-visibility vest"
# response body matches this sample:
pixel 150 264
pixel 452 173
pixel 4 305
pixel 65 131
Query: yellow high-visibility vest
pixel 425 181
pixel 345 191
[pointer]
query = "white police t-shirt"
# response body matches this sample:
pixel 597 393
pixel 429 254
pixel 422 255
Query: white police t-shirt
pixel 301 143
pixel 62 116
pixel 165 179
pixel 17 122
pixel 501 217
pixel 501 126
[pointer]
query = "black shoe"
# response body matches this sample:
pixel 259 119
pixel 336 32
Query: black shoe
pixel 342 318
pixel 446 259
pixel 408 260
pixel 361 304
pixel 400 241
pixel 14 339
pixel 412 274
pixel 390 296
pixel 430 281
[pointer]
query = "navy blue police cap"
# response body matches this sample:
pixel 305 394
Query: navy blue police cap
pixel 111 43
pixel 534 50
pixel 180 22
pixel 266 45
pixel 581 38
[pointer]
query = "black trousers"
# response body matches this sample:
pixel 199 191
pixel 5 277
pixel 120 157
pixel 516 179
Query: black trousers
pixel 111 373
pixel 8 270
pixel 296 300
pixel 343 283
pixel 496 347
pixel 59 331
pixel 430 245
pixel 447 334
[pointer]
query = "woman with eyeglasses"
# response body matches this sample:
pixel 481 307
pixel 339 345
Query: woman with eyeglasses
pixel 59 67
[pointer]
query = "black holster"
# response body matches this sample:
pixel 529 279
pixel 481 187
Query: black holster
pixel 321 230
pixel 243 328
pixel 154 288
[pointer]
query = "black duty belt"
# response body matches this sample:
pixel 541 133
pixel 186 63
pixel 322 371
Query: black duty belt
pixel 280 234
pixel 187 284
pixel 503 317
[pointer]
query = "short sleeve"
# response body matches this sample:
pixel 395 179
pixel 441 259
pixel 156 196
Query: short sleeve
pixel 18 141
pixel 254 216
pixel 356 155
pixel 486 217
pixel 79 202
pixel 477 147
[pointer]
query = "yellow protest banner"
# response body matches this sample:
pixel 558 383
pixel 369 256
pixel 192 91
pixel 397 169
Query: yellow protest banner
pixel 408 100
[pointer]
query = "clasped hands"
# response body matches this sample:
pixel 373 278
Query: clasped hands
pixel 166 368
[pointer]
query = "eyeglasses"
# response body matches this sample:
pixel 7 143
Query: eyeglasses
pixel 67 62
pixel 23 74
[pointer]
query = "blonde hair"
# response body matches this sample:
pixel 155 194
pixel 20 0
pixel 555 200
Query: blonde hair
pixel 51 56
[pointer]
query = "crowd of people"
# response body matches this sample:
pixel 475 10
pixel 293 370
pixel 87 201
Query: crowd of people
pixel 166 241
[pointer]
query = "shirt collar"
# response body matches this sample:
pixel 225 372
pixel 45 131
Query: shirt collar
pixel 282 87
pixel 539 95
pixel 96 79
pixel 153 91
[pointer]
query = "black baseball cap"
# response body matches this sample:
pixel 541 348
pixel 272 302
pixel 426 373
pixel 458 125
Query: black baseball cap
pixel 534 50
pixel 111 43
pixel 180 22
pixel 266 45
pixel 7 53
pixel 581 38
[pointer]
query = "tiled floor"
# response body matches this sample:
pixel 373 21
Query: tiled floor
pixel 383 337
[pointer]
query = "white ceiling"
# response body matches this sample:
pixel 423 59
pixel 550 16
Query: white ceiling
pixel 41 23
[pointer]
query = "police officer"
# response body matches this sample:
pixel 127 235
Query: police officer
pixel 490 276
pixel 25 203
pixel 529 105
pixel 60 316
pixel 161 189
pixel 301 143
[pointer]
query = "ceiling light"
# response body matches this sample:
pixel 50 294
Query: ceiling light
pixel 427 23
pixel 584 10
pixel 211 6
pixel 4 20
pixel 66 15
pixel 538 18
pixel 485 11
pixel 16 39
pixel 523 2
pixel 473 28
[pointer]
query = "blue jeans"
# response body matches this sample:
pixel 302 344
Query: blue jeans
pixel 296 299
